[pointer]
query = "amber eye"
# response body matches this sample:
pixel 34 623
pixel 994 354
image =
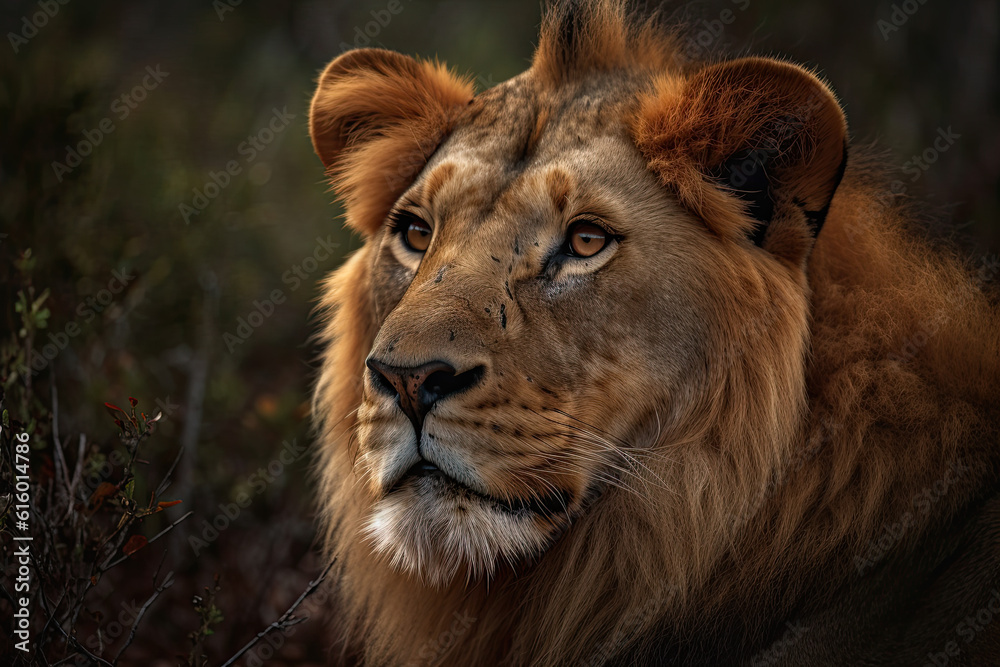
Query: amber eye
pixel 417 235
pixel 585 239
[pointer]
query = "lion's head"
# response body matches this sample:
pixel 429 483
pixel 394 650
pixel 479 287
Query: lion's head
pixel 557 275
pixel 575 342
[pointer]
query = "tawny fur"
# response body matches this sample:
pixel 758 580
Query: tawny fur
pixel 816 420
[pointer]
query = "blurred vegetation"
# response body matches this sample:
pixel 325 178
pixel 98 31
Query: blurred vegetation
pixel 132 295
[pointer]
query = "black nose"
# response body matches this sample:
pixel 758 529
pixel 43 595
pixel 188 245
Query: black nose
pixel 420 387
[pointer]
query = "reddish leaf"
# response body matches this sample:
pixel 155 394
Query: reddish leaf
pixel 166 503
pixel 104 490
pixel 132 401
pixel 134 543
pixel 112 409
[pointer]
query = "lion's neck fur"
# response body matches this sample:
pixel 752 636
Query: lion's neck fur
pixel 900 387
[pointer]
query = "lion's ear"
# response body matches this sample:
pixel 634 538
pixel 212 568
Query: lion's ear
pixel 375 119
pixel 754 146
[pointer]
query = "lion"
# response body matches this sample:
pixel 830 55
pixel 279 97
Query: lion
pixel 638 365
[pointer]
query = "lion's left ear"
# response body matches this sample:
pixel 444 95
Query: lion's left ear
pixel 755 147
pixel 375 119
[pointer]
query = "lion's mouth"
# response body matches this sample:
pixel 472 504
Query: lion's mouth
pixel 555 503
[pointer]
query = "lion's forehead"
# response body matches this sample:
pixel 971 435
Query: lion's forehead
pixel 519 151
pixel 518 121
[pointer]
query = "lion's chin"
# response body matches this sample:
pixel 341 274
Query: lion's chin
pixel 436 530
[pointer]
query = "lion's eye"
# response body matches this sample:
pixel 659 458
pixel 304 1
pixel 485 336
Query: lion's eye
pixel 416 234
pixel 586 239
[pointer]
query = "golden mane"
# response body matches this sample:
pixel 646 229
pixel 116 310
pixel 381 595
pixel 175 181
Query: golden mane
pixel 901 350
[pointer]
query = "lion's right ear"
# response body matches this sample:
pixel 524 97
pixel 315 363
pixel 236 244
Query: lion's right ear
pixel 756 147
pixel 375 119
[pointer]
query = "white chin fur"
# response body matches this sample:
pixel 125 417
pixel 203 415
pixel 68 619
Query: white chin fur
pixel 435 533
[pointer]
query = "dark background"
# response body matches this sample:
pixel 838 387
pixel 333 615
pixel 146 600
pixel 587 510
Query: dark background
pixel 165 339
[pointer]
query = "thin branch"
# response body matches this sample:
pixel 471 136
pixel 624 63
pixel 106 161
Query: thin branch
pixel 165 483
pixel 70 638
pixel 167 583
pixel 150 540
pixel 286 620
pixel 60 458
pixel 77 473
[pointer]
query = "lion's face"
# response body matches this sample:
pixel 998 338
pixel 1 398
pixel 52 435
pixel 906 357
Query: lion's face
pixel 565 281
pixel 510 380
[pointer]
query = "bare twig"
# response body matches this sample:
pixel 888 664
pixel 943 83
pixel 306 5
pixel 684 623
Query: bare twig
pixel 286 620
pixel 77 473
pixel 165 483
pixel 61 459
pixel 151 540
pixel 168 581
pixel 197 383
pixel 117 538
pixel 69 638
